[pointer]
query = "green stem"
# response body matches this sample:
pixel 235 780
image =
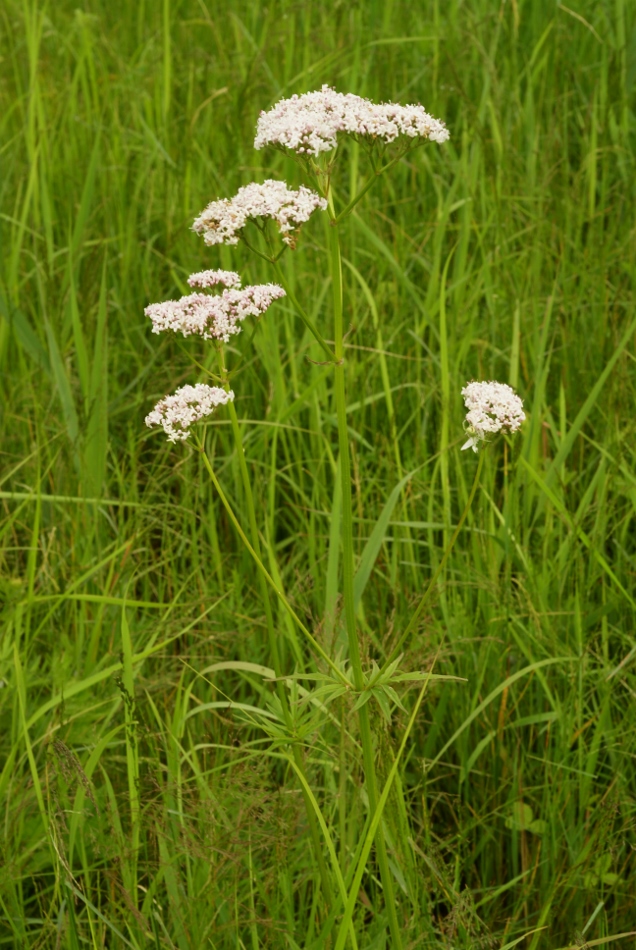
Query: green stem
pixel 301 312
pixel 273 644
pixel 255 250
pixel 347 566
pixel 367 186
pixel 440 567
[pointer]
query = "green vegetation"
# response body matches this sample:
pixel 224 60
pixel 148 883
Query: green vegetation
pixel 144 800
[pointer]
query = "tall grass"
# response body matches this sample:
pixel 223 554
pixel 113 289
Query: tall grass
pixel 142 804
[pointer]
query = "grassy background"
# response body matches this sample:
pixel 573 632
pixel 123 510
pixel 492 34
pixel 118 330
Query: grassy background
pixel 132 815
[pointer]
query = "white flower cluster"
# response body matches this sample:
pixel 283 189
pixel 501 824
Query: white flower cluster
pixel 310 123
pixel 213 316
pixel 188 405
pixel 492 407
pixel 209 278
pixel 223 219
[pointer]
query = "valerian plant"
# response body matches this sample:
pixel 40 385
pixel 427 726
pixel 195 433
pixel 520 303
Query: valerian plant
pixel 267 217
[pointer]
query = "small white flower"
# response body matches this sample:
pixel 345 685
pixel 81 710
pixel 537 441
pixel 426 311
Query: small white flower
pixel 189 404
pixel 222 220
pixel 492 407
pixel 213 316
pixel 310 123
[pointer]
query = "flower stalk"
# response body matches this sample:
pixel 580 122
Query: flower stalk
pixel 302 313
pixel 367 186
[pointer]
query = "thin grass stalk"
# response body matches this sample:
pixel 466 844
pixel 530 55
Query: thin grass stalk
pixel 348 573
pixel 268 577
pixel 273 644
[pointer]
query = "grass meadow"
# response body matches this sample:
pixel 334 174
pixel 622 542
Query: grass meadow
pixel 142 805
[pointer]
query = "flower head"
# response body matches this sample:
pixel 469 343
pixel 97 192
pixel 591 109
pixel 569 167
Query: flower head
pixel 492 407
pixel 213 316
pixel 189 404
pixel 310 123
pixel 222 220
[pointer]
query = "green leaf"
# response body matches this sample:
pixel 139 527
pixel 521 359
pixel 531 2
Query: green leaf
pixel 527 670
pixel 610 878
pixel 331 585
pixel 575 529
pixel 25 334
pixel 228 704
pixel 385 707
pixel 483 744
pixel 420 675
pixel 586 408
pixel 240 665
pixel 96 438
pixel 362 700
pixel 514 943
pixel 521 817
pixel 86 201
pixel 538 827
pixel 393 696
pixel 81 354
pixel 63 385
pixel 603 864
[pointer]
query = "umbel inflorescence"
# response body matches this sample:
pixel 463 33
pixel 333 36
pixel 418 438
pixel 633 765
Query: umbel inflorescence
pixel 189 404
pixel 492 407
pixel 310 123
pixel 223 220
pixel 213 316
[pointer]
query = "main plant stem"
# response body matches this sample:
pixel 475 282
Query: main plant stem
pixel 273 644
pixel 347 569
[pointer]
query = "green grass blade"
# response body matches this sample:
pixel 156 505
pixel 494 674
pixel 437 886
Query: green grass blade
pixel 373 545
pixel 588 405
pixel 507 683
pixel 63 385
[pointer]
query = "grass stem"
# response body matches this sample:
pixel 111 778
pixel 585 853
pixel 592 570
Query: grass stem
pixel 261 567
